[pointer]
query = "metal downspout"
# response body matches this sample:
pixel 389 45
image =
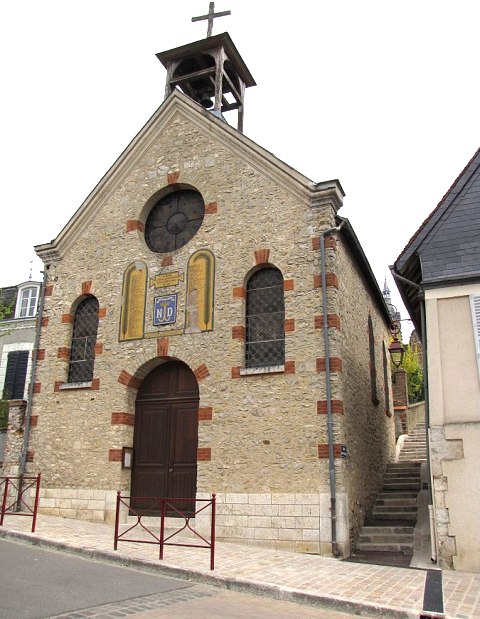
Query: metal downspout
pixel 326 345
pixel 423 326
pixel 28 414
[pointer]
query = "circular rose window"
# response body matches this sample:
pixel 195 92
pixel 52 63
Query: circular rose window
pixel 174 220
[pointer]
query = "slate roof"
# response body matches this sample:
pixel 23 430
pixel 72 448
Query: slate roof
pixel 445 250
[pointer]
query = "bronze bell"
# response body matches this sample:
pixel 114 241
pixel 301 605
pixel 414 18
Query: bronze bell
pixel 206 102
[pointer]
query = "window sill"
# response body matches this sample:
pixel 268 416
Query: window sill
pixel 270 369
pixel 84 385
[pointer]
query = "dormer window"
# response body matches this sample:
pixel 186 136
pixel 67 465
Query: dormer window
pixel 27 300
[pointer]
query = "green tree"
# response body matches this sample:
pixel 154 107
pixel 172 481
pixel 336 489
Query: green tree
pixel 5 310
pixel 3 414
pixel 411 364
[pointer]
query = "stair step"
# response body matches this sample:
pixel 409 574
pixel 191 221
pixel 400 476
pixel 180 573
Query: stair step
pixel 388 529
pixel 382 538
pixel 401 477
pixel 399 516
pixel 414 485
pixel 388 509
pixel 399 494
pixel 405 548
pixel 394 502
pixel 404 466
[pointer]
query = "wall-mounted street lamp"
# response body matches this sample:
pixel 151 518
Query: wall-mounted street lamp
pixel 397 352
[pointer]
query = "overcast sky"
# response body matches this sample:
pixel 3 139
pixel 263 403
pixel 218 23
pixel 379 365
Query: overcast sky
pixel 383 95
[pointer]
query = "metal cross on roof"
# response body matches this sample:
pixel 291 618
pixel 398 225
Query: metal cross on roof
pixel 211 16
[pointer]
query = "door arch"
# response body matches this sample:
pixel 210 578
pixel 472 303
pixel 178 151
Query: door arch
pixel 165 438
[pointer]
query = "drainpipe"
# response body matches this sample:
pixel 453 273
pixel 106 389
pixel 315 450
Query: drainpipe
pixel 326 346
pixel 28 414
pixel 423 325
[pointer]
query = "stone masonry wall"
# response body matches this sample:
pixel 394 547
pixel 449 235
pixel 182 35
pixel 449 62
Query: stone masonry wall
pixel 368 427
pixel 259 434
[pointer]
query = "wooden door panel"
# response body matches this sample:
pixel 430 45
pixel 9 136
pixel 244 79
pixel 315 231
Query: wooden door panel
pixel 151 445
pixel 184 434
pixel 185 386
pixel 166 438
pixel 149 484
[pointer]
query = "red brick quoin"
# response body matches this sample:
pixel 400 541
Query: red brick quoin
pixel 128 380
pixel 122 419
pixel 330 278
pixel 330 242
pixel 238 332
pixel 201 372
pixel 333 321
pixel 239 293
pixel 262 256
pixel 337 407
pixel 115 455
pixel 162 347
pixel 172 177
pixel 335 364
pixel 63 353
pixel 323 451
pixel 204 454
pixel 205 413
pixel 135 224
pixel 211 208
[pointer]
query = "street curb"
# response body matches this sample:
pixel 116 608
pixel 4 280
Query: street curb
pixel 234 584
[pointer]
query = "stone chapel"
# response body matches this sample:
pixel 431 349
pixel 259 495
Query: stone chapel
pixel 211 324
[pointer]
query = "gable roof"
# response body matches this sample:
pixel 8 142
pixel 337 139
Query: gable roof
pixel 353 243
pixel 308 192
pixel 445 249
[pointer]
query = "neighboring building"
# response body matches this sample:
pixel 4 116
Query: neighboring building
pixel 442 263
pixel 184 317
pixel 17 338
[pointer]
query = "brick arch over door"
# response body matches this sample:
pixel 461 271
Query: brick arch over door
pixel 165 438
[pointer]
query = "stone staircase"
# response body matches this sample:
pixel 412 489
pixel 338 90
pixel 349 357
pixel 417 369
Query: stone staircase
pixel 414 448
pixel 392 522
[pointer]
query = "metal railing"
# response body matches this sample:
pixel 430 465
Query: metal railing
pixel 14 499
pixel 162 508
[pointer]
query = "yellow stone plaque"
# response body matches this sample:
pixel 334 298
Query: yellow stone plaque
pixel 200 292
pixel 166 279
pixel 133 302
pixel 164 333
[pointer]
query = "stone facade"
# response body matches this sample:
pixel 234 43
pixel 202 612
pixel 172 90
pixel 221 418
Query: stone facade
pixel 262 433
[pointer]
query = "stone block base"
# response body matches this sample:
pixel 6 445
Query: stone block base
pixel 297 521
pixel 78 503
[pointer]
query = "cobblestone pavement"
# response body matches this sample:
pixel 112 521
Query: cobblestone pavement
pixel 204 601
pixel 350 587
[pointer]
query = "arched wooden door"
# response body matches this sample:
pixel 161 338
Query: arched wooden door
pixel 165 438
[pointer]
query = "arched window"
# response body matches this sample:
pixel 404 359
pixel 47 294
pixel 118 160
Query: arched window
pixel 265 333
pixel 84 337
pixel 373 365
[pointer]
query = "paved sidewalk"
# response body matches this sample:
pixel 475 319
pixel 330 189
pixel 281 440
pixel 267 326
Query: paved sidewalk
pixel 352 587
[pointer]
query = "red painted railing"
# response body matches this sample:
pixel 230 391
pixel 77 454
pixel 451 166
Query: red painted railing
pixel 166 507
pixel 13 500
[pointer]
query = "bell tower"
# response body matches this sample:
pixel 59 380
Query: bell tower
pixel 209 71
